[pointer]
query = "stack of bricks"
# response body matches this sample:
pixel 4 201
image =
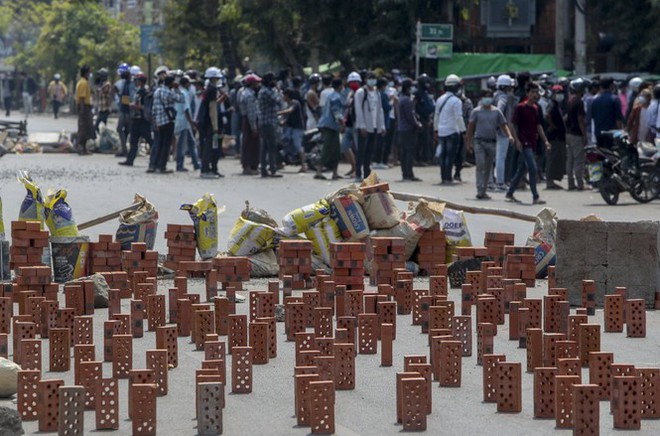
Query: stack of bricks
pixel 138 258
pixel 495 243
pixel 118 280
pixel 520 263
pixel 431 249
pixel 388 254
pixel 181 245
pixel 105 255
pixel 347 262
pixel 232 271
pixel 36 279
pixel 462 253
pixel 294 258
pixel 27 244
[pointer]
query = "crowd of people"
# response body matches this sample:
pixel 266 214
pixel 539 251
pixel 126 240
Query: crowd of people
pixel 519 131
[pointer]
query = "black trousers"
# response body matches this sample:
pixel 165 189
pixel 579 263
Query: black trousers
pixel 165 135
pixel 209 156
pixel 140 128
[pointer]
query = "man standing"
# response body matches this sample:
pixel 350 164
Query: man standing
pixel 449 124
pixel 269 103
pixel 576 136
pixel 7 91
pixel 312 107
pixel 57 91
pixel 84 107
pixel 504 101
pixel 528 127
pixel 140 127
pixel 208 123
pixel 163 117
pixel 370 121
pixel 250 125
pixel 424 108
pixel 407 129
pixel 653 114
pixel 125 88
pixel 183 128
pixel 606 113
pixel 331 124
pixel 556 157
pixel 482 138
pixel 28 89
pixel 104 97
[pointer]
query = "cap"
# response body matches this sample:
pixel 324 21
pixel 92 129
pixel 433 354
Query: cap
pixel 354 77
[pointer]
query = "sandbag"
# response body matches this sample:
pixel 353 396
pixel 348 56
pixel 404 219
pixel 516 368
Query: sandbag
pixel 456 231
pixel 300 220
pixel 350 219
pixel 32 208
pixel 322 235
pixel 543 241
pixel 258 216
pixel 8 377
pixel 264 264
pixel 204 214
pixel 138 225
pixel 248 238
pixel 380 210
pixel 58 215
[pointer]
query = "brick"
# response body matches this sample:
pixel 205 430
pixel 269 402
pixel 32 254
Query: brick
pixel 89 376
pixel 387 315
pixel 564 400
pixel 48 311
pixel 166 339
pixel 387 333
pixel 4 345
pixel 71 410
pixel 30 358
pixel 586 410
pixel 534 349
pixel 203 322
pixel 485 334
pixel 636 318
pixel 210 402
pixel 238 332
pixel 649 392
pixel 144 409
pixel 549 350
pixel 570 366
pixel 137 376
pixel 302 397
pixel 344 366
pixel 27 384
pixel 157 361
pixel 544 392
pixel 589 340
pixel 626 402
pixel 107 404
pixel 490 362
pixel 509 387
pixel 155 312
pixel 241 370
pixel 400 376
pixel 413 409
pixel 137 318
pixel 613 313
pixel 600 372
pixel 221 306
pixel 368 336
pixel 272 335
pixel 259 338
pixel 122 362
pixel 60 348
pixel 450 363
pixel 48 398
pixel 323 321
pixel 184 317
pixel 83 332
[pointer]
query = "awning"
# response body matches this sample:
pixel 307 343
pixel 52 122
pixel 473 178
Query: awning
pixel 479 65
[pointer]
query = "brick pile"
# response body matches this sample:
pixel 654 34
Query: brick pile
pixel 431 249
pixel 105 255
pixel 27 244
pixel 495 243
pixel 181 244
pixel 118 280
pixel 463 253
pixel 520 263
pixel 138 258
pixel 347 262
pixel 34 279
pixel 232 271
pixel 294 258
pixel 388 254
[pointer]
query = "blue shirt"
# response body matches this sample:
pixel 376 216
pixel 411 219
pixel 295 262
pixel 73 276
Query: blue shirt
pixel 606 111
pixel 181 123
pixel 333 112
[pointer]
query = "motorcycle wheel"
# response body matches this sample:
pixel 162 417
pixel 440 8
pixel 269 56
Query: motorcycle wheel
pixel 609 191
pixel 642 190
pixel 655 182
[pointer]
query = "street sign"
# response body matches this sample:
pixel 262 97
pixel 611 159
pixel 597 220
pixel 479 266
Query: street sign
pixel 437 32
pixel 148 40
pixel 436 50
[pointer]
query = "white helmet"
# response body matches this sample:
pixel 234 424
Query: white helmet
pixel 57 76
pixel 161 69
pixel 213 73
pixel 354 77
pixel 452 80
pixel 135 70
pixel 634 83
pixel 504 80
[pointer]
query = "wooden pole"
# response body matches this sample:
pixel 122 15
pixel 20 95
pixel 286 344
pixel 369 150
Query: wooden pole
pixel 108 217
pixel 469 209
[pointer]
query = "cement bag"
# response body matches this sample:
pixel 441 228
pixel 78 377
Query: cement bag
pixel 204 214
pixel 258 216
pixel 59 217
pixel 108 141
pixel 264 264
pixel 32 208
pixel 349 216
pixel 322 235
pixel 380 210
pixel 456 230
pixel 138 225
pixel 543 241
pixel 8 376
pixel 248 238
pixel 300 220
pixel 409 231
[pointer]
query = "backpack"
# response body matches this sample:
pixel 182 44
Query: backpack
pixel 147 106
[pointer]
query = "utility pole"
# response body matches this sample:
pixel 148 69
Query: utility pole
pixel 560 17
pixel 418 34
pixel 580 63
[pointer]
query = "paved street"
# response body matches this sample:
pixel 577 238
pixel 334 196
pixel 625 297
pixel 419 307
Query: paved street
pixel 97 186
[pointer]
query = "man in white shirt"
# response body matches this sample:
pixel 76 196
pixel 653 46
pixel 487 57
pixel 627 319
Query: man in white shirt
pixel 448 125
pixel 370 121
pixel 653 114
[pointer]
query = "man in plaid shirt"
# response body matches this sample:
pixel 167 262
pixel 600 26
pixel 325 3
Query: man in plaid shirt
pixel 270 102
pixel 104 97
pixel 163 118
pixel 250 124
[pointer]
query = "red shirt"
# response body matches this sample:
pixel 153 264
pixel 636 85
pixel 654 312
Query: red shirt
pixel 526 118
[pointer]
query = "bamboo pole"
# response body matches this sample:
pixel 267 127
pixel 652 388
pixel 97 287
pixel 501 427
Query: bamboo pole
pixel 108 217
pixel 469 209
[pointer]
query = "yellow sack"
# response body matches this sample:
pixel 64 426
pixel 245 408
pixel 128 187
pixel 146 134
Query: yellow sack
pixel 322 236
pixel 248 237
pixel 204 214
pixel 300 220
pixel 32 208
pixel 456 230
pixel 59 217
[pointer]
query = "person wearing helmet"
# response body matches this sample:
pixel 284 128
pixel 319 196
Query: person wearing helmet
pixel 349 136
pixel 184 127
pixel 104 96
pixel 505 101
pixel 556 134
pixel 208 123
pixel 164 115
pixel 576 136
pixel 125 90
pixel 526 132
pixel 491 83
pixel 250 125
pixel 407 129
pixel 448 124
pixel 83 101
pixel 331 125
pixel 369 121
pixel 631 94
pixel 270 102
pixel 57 92
pixel 312 106
pixel 140 127
pixel 123 68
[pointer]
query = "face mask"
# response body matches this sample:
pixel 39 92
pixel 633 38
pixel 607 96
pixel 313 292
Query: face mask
pixel 390 84
pixel 413 90
pixel 371 82
pixel 198 91
pixel 319 87
pixel 354 86
pixel 642 100
pixel 559 97
pixel 487 101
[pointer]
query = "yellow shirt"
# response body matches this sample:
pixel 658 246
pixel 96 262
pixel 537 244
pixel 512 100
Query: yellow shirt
pixel 83 92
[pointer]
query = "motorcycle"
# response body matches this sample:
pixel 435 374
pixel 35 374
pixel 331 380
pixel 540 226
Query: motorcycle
pixel 312 143
pixel 622 168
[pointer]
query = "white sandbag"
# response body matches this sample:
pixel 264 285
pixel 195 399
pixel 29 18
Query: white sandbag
pixel 8 377
pixel 380 210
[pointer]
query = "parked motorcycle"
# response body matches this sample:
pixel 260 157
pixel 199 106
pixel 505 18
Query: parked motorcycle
pixel 622 168
pixel 312 143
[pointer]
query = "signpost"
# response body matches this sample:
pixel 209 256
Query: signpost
pixel 427 32
pixel 437 32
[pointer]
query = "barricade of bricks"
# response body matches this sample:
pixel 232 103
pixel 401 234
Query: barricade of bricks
pixel 347 262
pixel 520 263
pixel 181 245
pixel 105 255
pixel 27 244
pixel 33 278
pixel 387 255
pixel 431 249
pixel 495 243
pixel 232 271
pixel 138 258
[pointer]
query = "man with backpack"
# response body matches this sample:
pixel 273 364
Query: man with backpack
pixel 250 125
pixel 140 127
pixel 269 103
pixel 208 123
pixel 369 121
pixel 125 89
pixel 164 115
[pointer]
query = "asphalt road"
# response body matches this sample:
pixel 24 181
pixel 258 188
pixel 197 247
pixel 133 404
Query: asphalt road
pixel 97 185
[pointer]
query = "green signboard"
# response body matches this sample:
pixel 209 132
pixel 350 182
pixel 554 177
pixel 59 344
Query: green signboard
pixel 436 50
pixel 437 32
